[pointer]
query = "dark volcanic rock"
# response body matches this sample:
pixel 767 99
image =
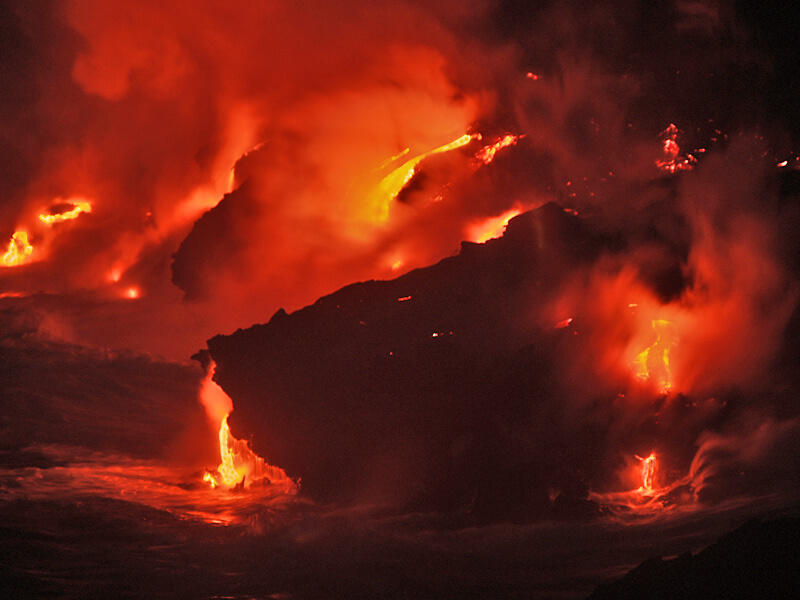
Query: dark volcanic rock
pixel 430 390
pixel 216 239
pixel 758 560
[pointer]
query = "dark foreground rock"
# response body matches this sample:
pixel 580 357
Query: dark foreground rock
pixel 757 560
pixel 433 389
pixel 460 385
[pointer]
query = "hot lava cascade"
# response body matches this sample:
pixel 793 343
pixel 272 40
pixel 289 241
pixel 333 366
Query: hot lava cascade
pixel 239 465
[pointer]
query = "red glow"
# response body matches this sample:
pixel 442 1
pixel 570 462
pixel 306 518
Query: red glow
pixel 490 228
pixel 132 293
pixel 672 162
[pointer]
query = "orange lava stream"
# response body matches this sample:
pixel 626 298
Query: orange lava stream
pixel 487 153
pixel 79 207
pixel 393 183
pixel 239 465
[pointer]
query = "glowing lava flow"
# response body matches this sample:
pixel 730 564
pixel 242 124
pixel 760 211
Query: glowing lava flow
pixel 393 183
pixel 652 363
pixel 239 465
pixel 19 250
pixel 80 206
pixel 487 153
pixel 226 470
pixel 648 473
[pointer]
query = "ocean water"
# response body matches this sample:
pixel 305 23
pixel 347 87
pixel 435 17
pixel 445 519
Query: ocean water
pixel 101 495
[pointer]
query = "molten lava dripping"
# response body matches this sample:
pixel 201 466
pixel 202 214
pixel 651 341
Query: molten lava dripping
pixel 19 250
pixel 648 473
pixel 239 465
pixel 226 469
pixel 652 363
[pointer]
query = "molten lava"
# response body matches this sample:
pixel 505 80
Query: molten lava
pixel 78 207
pixel 648 473
pixel 487 153
pixel 652 363
pixel 239 465
pixel 19 250
pixel 393 183
pixel 226 470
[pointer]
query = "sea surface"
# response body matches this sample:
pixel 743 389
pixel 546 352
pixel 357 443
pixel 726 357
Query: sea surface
pixel 102 456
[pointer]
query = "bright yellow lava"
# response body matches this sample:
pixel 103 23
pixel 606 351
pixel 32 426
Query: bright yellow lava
pixel 78 208
pixel 19 249
pixel 648 472
pixel 381 197
pixel 652 363
pixel 226 469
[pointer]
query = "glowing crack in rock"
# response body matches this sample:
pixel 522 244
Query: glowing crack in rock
pixel 653 363
pixel 239 465
pixel 19 250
